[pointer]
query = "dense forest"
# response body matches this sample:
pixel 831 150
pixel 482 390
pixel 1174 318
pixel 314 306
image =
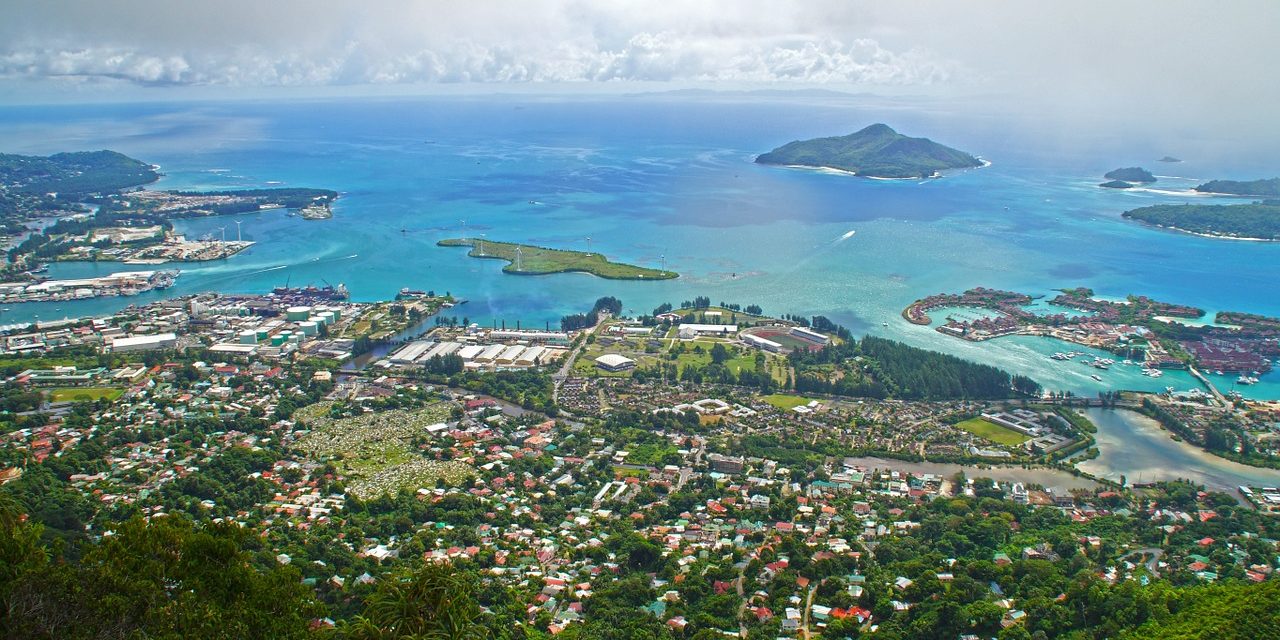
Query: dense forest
pixel 1255 220
pixel 879 368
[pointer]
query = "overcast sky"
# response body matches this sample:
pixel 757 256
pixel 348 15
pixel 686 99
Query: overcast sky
pixel 1197 59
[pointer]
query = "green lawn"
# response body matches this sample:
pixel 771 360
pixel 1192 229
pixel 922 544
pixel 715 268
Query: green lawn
pixel 984 428
pixel 84 394
pixel 541 260
pixel 786 402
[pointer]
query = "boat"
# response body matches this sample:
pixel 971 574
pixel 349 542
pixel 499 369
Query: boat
pixel 1096 377
pixel 1246 380
pixel 327 292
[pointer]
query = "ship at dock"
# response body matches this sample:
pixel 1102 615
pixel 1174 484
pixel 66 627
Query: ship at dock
pixel 311 292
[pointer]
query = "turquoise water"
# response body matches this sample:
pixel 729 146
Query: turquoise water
pixel 653 177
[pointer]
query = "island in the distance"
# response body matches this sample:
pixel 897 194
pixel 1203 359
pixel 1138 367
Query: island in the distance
pixel 1259 188
pixel 1130 174
pixel 1251 221
pixel 1170 159
pixel 530 260
pixel 874 152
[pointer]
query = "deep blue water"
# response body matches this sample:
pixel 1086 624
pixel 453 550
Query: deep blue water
pixel 647 177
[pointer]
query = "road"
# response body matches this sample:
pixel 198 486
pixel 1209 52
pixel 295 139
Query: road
pixel 808 606
pixel 560 376
pixel 1153 564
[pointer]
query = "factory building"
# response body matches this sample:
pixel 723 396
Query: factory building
pixel 144 343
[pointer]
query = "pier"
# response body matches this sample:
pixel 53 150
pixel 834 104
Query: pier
pixel 1209 384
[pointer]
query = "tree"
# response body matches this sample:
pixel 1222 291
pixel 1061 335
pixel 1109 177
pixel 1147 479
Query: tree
pixel 434 603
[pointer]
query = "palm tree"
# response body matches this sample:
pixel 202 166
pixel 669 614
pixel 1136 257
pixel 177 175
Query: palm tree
pixel 432 604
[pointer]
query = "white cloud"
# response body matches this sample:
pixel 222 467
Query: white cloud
pixel 661 56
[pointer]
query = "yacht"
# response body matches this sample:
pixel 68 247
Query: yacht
pixel 1096 377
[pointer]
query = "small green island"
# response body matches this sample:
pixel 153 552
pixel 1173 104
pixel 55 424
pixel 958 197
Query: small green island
pixel 536 261
pixel 874 152
pixel 1130 174
pixel 1252 221
pixel 1259 188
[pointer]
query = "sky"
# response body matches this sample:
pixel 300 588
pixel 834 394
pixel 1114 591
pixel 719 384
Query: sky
pixel 1172 59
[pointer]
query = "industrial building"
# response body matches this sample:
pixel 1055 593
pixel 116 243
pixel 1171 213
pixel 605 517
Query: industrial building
pixel 145 342
pixel 690 330
pixel 614 362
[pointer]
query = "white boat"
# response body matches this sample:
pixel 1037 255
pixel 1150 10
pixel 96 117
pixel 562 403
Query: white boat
pixel 1096 377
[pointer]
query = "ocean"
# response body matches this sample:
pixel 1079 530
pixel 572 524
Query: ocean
pixel 654 178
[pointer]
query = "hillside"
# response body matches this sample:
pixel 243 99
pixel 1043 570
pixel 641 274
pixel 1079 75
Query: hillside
pixel 875 152
pixel 73 175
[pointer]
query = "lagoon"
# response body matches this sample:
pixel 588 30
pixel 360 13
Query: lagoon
pixel 1138 448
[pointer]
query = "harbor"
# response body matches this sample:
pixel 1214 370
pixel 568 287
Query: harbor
pixel 127 283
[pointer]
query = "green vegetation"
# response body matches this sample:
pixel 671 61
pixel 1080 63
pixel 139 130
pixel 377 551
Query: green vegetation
pixel 1130 174
pixel 74 175
pixel 879 368
pixel 292 197
pixel 984 428
pixel 1264 188
pixel 84 394
pixel 1116 184
pixel 876 151
pixel 1256 220
pixel 542 261
pixel 786 402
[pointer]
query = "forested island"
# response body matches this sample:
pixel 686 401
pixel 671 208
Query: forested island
pixel 1116 184
pixel 531 260
pixel 1253 221
pixel 1130 174
pixel 874 152
pixel 1264 188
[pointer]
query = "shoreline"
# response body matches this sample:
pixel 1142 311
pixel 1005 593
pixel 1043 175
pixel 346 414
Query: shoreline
pixel 1203 234
pixel 834 170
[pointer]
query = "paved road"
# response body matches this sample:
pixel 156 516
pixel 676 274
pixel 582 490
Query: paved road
pixel 1153 564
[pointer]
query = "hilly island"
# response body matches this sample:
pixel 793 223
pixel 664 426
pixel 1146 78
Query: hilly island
pixel 876 151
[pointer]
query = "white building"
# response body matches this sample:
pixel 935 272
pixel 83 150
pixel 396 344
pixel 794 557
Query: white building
pixel 615 362
pixel 145 342
pixel 762 343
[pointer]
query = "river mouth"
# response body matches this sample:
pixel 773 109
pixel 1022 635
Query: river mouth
pixel 1135 447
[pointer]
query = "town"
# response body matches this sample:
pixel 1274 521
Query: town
pixel 565 464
